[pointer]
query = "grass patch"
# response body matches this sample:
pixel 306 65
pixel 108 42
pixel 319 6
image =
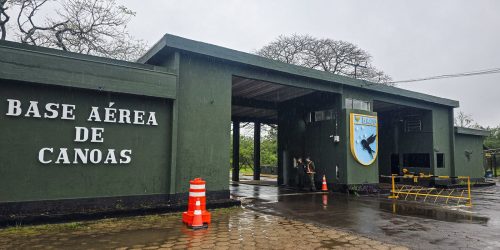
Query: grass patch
pixel 226 210
pixel 244 171
pixel 32 230
pixel 38 229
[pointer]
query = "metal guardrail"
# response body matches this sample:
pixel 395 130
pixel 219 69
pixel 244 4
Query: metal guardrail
pixel 430 193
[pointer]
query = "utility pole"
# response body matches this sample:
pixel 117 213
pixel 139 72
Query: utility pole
pixel 356 65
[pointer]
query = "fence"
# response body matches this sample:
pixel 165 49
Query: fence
pixel 430 194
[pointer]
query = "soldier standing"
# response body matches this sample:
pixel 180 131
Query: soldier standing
pixel 300 173
pixel 310 170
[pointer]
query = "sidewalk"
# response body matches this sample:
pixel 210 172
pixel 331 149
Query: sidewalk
pixel 234 228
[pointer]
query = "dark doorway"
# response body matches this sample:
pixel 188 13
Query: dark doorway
pixel 395 164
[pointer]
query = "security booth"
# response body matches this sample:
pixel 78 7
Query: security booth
pixel 469 154
pixel 82 132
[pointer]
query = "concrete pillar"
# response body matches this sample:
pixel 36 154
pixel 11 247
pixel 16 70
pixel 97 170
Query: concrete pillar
pixel 256 151
pixel 236 151
pixel 282 172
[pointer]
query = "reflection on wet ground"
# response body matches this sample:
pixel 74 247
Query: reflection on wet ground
pixel 230 229
pixel 281 218
pixel 418 225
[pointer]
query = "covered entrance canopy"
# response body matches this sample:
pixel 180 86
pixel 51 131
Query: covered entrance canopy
pixel 257 101
pixel 311 108
pixel 405 138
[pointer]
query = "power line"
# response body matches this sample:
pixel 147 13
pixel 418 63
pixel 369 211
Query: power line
pixel 463 74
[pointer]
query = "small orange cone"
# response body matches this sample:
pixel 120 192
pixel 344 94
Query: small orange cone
pixel 198 218
pixel 324 187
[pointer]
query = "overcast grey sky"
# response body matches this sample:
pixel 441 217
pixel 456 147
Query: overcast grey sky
pixel 407 39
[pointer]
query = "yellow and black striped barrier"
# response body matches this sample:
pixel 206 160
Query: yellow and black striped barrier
pixel 430 193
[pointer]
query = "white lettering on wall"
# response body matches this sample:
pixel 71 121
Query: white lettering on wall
pixel 84 156
pixel 51 110
pixel 110 157
pixel 109 113
pixel 33 110
pixel 64 155
pixel 67 112
pixel 14 108
pixel 94 115
pixel 41 155
pixel 138 117
pixel 126 156
pixel 82 134
pixel 152 119
pixel 97 134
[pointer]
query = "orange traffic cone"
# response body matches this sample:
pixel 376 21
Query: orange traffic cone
pixel 198 218
pixel 196 192
pixel 324 187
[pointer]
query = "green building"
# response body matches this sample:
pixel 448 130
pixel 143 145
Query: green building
pixel 81 132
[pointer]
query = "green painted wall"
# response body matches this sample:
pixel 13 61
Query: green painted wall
pixel 291 139
pixel 204 120
pixel 191 95
pixel 442 132
pixel 301 139
pixel 28 63
pixel 24 178
pixel 357 173
pixel 469 166
pixel 395 140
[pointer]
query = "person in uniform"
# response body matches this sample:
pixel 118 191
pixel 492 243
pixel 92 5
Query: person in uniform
pixel 300 173
pixel 310 170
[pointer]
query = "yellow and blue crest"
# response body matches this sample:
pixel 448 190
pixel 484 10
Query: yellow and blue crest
pixel 364 138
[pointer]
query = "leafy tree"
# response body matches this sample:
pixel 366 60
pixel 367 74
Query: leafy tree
pixel 334 56
pixel 269 146
pixel 94 27
pixel 246 152
pixel 493 141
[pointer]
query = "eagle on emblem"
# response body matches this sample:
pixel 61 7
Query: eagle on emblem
pixel 366 144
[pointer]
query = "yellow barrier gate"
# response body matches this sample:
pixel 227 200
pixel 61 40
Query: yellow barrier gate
pixel 430 193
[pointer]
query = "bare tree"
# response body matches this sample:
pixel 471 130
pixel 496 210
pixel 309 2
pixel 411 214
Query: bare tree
pixel 464 120
pixel 334 56
pixel 95 27
pixel 4 18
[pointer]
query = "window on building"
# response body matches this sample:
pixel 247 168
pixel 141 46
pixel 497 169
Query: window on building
pixel 413 124
pixel 351 103
pixel 319 116
pixel 322 115
pixel 417 160
pixel 309 117
pixel 440 160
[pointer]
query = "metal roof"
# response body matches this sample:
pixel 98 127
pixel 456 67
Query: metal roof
pixel 169 41
pixel 27 63
pixel 472 131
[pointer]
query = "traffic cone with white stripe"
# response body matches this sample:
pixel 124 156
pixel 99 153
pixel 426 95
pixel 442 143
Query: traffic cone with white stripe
pixel 196 193
pixel 198 218
pixel 324 187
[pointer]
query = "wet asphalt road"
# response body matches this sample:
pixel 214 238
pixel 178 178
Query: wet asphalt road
pixel 416 225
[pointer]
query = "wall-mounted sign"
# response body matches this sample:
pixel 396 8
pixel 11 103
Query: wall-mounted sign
pixel 364 138
pixel 94 134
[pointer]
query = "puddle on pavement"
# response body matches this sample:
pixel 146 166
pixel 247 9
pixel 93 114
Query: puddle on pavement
pixel 236 228
pixel 433 212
